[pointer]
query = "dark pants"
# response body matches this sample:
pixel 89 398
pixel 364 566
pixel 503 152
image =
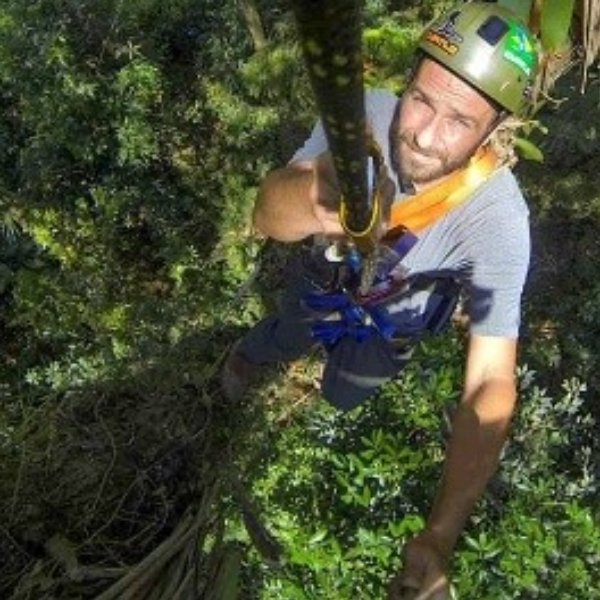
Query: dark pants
pixel 354 369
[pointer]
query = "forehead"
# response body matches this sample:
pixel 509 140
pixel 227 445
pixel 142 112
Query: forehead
pixel 443 86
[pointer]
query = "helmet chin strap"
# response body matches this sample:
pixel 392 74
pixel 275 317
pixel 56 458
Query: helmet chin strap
pixel 502 114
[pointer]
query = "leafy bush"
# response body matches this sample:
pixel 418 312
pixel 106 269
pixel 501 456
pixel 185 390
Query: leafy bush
pixel 343 492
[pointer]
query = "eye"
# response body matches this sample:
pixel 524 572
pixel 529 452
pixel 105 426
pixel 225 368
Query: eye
pixel 417 97
pixel 460 123
pixel 418 100
pixel 464 123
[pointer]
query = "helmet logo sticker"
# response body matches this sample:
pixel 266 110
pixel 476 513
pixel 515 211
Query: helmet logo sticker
pixel 444 35
pixel 519 50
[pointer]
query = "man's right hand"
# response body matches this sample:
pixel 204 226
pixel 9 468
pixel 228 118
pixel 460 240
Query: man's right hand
pixel 303 199
pixel 299 200
pixel 325 196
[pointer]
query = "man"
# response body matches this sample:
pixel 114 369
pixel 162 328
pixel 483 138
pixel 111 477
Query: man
pixel 475 69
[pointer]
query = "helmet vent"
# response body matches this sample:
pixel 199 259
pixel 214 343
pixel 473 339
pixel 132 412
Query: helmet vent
pixel 493 30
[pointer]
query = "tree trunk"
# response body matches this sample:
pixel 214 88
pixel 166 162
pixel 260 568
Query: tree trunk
pixel 254 23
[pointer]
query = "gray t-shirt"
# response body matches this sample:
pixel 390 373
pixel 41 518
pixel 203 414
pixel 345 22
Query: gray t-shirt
pixel 484 242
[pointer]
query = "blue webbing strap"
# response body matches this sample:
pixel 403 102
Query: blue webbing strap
pixel 360 316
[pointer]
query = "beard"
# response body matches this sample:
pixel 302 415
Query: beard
pixel 416 165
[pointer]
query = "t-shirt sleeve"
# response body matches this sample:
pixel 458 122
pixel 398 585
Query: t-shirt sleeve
pixel 501 248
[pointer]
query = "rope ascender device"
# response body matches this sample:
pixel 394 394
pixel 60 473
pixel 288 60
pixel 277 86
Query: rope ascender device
pixel 331 37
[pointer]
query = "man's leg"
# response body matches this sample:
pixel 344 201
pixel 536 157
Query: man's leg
pixel 355 370
pixel 282 337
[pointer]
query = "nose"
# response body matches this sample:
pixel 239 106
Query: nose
pixel 427 135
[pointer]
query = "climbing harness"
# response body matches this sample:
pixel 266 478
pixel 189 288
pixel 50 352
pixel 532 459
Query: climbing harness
pixel 351 312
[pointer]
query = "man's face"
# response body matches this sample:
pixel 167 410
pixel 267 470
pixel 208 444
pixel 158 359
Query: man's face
pixel 442 122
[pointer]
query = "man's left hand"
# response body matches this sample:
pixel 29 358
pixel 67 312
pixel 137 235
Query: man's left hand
pixel 424 575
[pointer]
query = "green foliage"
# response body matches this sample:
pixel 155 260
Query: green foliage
pixel 562 313
pixel 344 490
pixel 138 91
pixel 132 138
pixel 527 150
pixel 388 50
pixel 536 530
pixel 127 165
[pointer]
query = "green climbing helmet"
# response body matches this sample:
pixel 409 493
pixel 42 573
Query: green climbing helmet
pixel 488 46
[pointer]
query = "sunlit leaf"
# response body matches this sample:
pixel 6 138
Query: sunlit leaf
pixel 557 16
pixel 528 150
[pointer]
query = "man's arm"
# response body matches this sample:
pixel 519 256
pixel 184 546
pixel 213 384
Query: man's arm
pixel 479 430
pixel 299 200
